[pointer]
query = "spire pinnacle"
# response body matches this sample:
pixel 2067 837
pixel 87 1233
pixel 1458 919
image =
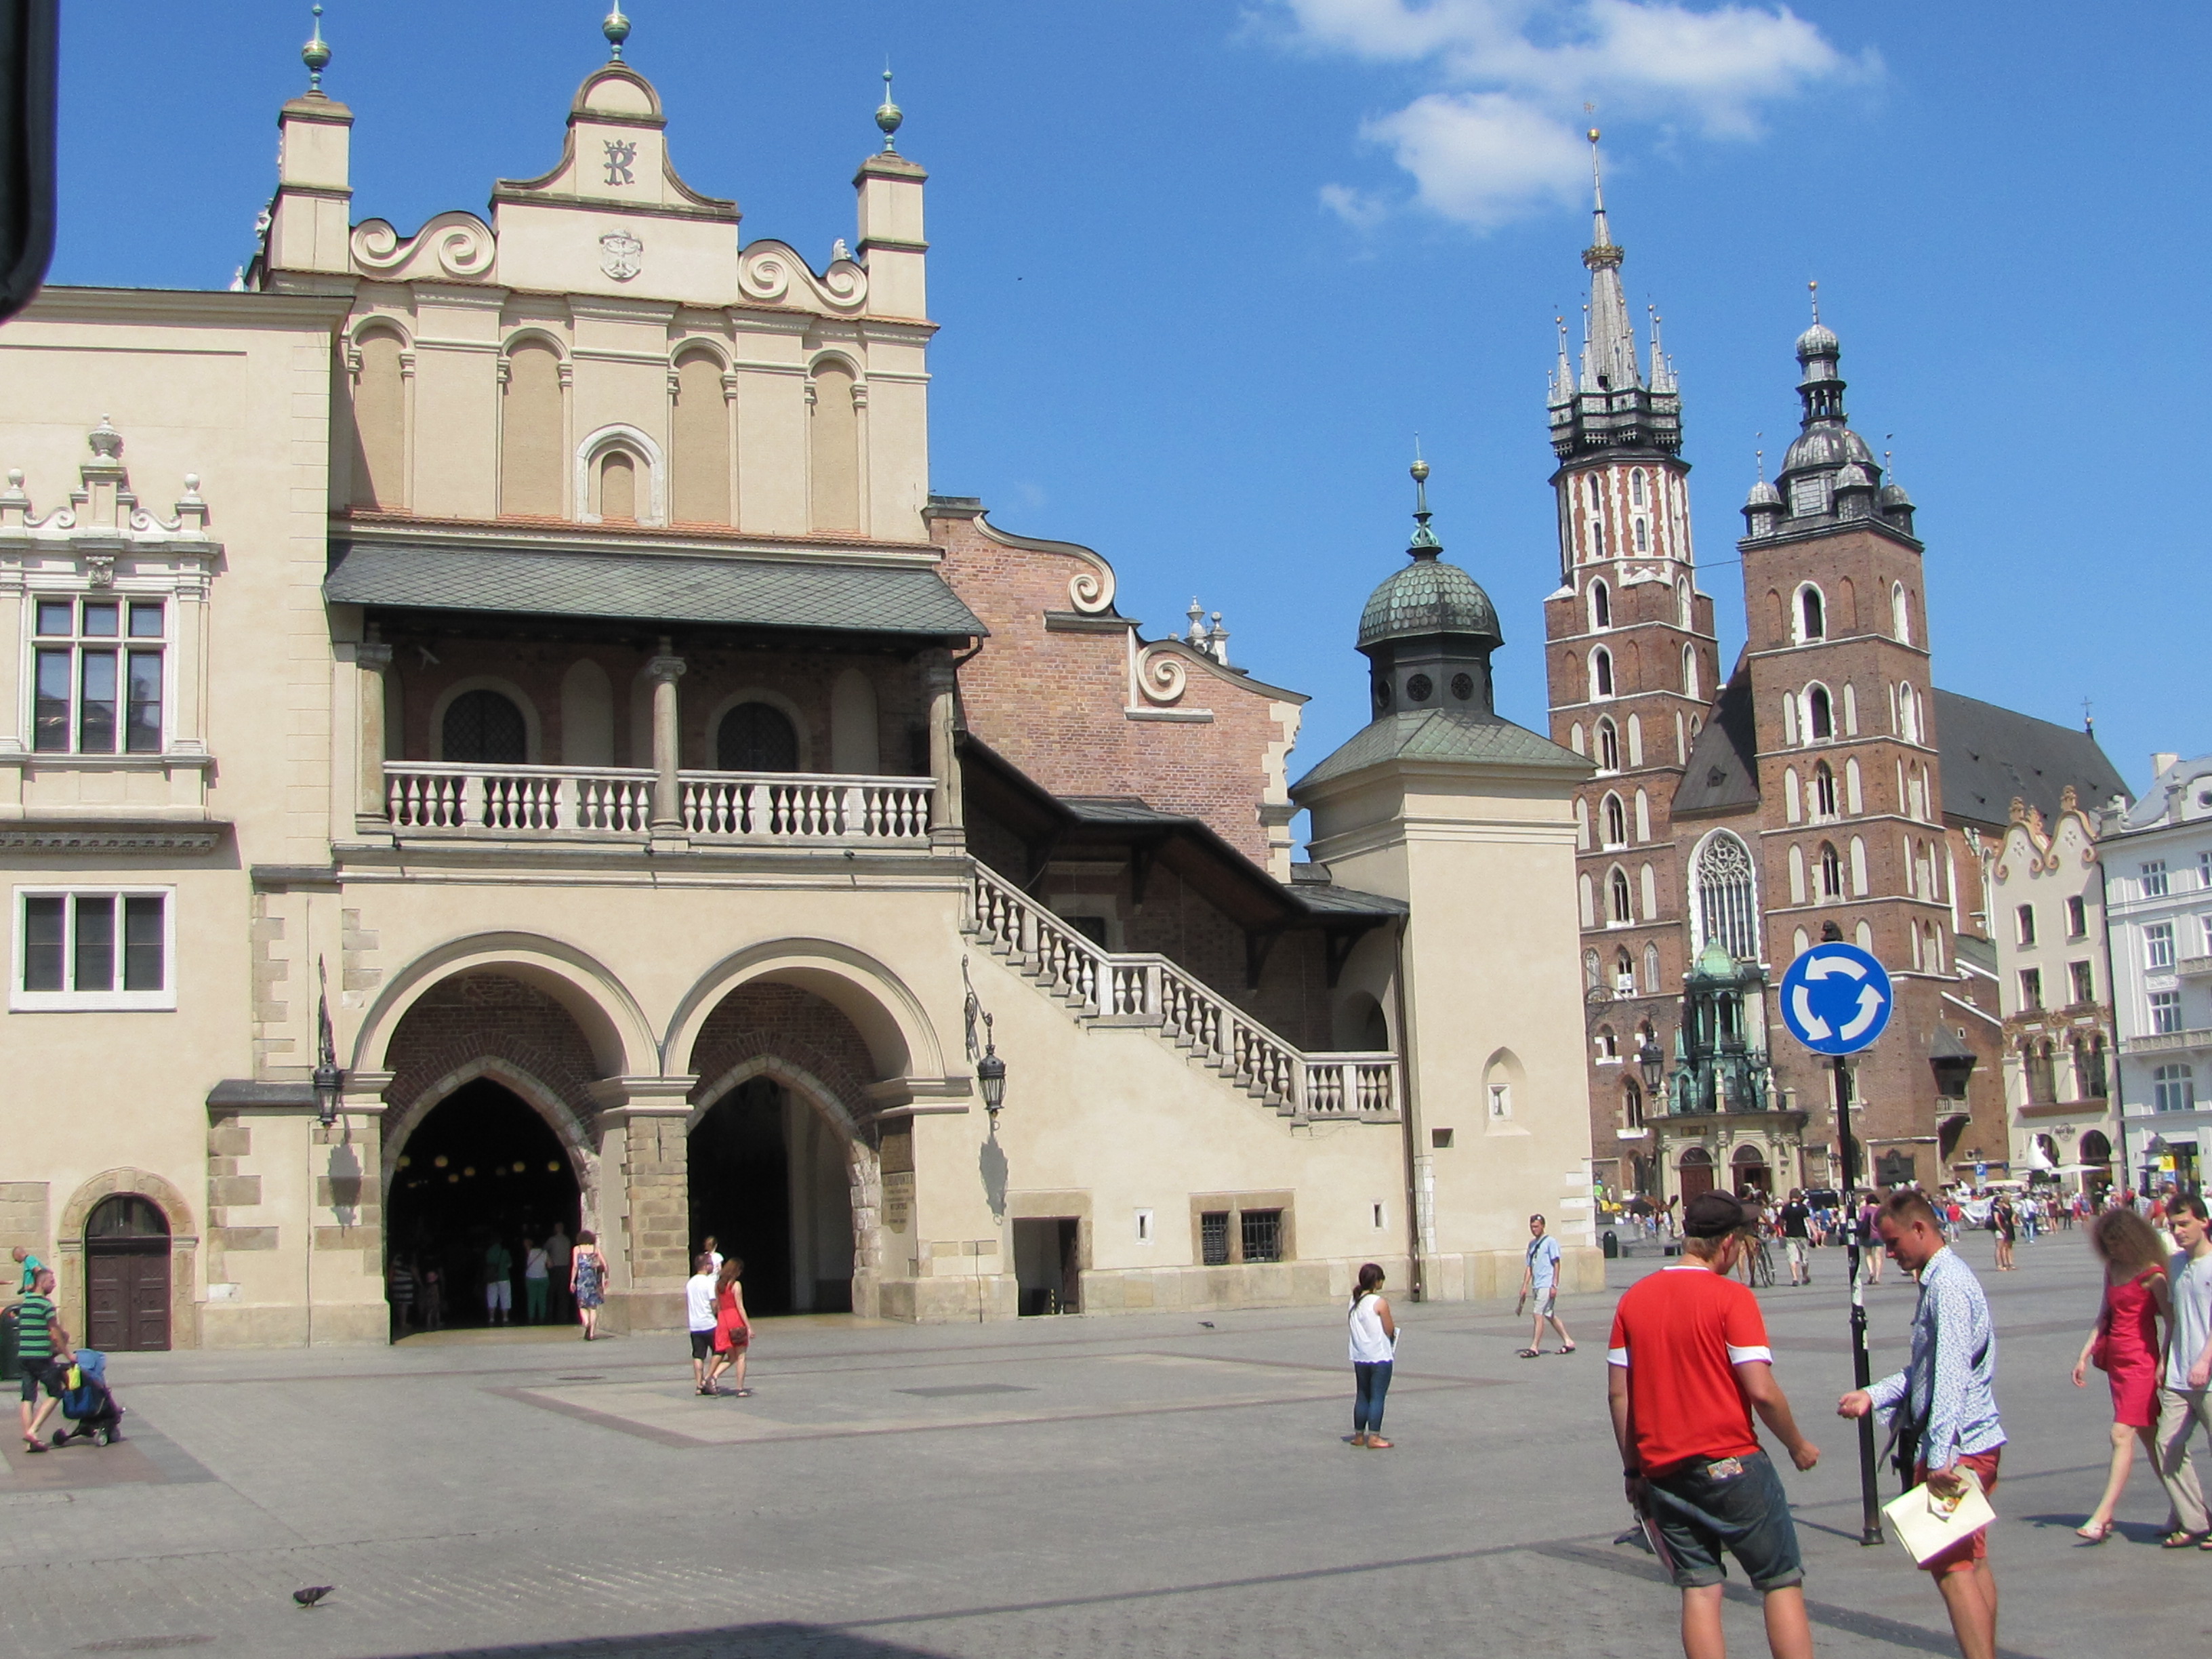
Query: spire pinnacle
pixel 889 116
pixel 1424 545
pixel 1609 362
pixel 1813 288
pixel 616 28
pixel 316 55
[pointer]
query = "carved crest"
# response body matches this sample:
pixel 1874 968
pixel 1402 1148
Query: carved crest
pixel 621 255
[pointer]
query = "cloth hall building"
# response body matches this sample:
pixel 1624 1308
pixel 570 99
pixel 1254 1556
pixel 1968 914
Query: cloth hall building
pixel 1822 787
pixel 505 735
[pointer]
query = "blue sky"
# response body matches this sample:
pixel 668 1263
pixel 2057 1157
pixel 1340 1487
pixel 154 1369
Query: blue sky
pixel 1204 267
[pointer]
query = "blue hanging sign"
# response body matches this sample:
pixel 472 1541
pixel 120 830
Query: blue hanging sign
pixel 1836 999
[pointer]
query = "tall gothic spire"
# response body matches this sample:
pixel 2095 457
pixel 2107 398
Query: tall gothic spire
pixel 1609 360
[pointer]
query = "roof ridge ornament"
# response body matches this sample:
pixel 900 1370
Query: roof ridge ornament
pixel 616 28
pixel 889 116
pixel 1424 545
pixel 316 55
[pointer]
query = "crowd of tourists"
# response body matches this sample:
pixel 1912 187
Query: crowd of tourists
pixel 560 1279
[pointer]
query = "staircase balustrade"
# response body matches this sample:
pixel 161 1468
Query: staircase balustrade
pixel 1151 990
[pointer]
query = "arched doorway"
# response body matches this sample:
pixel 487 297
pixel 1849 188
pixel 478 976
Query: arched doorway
pixel 127 1285
pixel 756 736
pixel 1694 1171
pixel 771 1181
pixel 1748 1165
pixel 481 1165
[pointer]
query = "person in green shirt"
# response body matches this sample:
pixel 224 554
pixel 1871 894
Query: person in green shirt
pixel 498 1283
pixel 43 1348
pixel 32 1268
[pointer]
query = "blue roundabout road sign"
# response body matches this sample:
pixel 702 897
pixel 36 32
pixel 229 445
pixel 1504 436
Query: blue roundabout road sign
pixel 1836 999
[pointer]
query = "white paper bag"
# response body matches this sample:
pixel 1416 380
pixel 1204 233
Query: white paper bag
pixel 1928 1524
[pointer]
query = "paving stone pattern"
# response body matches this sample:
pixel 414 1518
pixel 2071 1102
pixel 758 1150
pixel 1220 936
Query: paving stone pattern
pixel 1131 1485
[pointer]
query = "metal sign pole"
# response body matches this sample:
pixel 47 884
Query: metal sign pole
pixel 1862 1372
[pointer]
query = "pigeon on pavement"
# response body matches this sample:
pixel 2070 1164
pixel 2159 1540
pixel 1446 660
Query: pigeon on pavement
pixel 312 1594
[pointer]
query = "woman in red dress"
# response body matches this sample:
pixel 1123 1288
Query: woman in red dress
pixel 2125 1346
pixel 732 1332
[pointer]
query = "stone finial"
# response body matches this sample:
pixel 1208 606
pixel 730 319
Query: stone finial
pixel 889 116
pixel 316 55
pixel 616 28
pixel 1196 633
pixel 2018 811
pixel 106 442
pixel 2067 800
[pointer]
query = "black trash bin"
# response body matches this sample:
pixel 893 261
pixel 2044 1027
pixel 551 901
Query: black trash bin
pixel 11 1368
pixel 1612 1243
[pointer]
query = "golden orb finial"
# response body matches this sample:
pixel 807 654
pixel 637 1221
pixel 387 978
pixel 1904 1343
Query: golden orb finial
pixel 1593 135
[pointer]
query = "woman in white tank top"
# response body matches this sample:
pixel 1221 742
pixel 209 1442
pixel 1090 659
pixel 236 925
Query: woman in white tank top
pixel 1374 1350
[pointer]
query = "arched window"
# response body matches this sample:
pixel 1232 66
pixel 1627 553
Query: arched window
pixel 1609 747
pixel 1901 614
pixel 1858 867
pixel 485 728
pixel 379 417
pixel 1591 970
pixel 756 736
pixel 532 449
pixel 1724 897
pixel 698 443
pixel 1824 792
pixel 2041 1074
pixel 617 487
pixel 1616 822
pixel 834 450
pixel 1812 618
pixel 1683 613
pixel 1636 486
pixel 1642 816
pixel 1597 493
pixel 1832 871
pixel 1690 671
pixel 1650 968
pixel 1608 1045
pixel 1600 605
pixel 1643 536
pixel 1624 972
pixel 1581 824
pixel 1618 888
pixel 1631 1105
pixel 2092 1072
pixel 1600 673
pixel 1908 714
pixel 1820 715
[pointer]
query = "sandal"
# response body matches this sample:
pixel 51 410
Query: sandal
pixel 2177 1540
pixel 743 1394
pixel 1377 1443
pixel 1532 1353
pixel 34 1445
pixel 2093 1534
pixel 2205 1543
pixel 1570 1348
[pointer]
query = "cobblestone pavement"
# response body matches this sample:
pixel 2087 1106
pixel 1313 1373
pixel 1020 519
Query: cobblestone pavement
pixel 1124 1485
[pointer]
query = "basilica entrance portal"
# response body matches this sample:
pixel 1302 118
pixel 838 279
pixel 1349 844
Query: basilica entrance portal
pixel 769 1182
pixel 482 1166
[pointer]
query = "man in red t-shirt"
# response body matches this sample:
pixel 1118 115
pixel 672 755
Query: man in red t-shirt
pixel 1690 1364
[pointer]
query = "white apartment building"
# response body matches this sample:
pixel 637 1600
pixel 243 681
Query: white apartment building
pixel 2157 901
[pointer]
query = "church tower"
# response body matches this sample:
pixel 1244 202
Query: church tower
pixel 1632 667
pixel 1837 659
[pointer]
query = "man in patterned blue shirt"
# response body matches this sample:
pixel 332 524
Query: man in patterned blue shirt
pixel 1945 1394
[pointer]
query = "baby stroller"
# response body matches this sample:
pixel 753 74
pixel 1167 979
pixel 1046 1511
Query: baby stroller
pixel 90 1406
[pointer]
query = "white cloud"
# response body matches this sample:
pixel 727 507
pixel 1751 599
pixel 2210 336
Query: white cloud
pixel 1501 135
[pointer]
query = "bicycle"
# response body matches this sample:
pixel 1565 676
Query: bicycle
pixel 1762 1266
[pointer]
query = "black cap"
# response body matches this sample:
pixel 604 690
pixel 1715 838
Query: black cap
pixel 1713 1215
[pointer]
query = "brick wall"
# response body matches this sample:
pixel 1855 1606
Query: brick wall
pixel 1055 703
pixel 796 1025
pixel 478 1016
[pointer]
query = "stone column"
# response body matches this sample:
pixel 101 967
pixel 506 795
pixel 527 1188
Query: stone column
pixel 645 1153
pixel 946 817
pixel 664 670
pixel 372 659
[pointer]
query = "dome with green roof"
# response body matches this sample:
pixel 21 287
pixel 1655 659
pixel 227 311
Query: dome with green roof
pixel 1426 598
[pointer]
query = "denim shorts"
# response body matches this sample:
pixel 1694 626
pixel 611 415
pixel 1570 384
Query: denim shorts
pixel 1705 1507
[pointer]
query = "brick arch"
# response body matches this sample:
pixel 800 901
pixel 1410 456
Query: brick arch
pixel 491 1025
pixel 764 1021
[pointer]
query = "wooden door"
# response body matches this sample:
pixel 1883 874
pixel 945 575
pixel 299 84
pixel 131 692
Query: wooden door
pixel 1696 1180
pixel 127 1307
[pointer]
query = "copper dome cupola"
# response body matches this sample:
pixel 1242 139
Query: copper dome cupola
pixel 1429 628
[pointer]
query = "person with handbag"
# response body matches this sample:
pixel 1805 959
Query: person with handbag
pixel 2123 1345
pixel 734 1332
pixel 1943 1404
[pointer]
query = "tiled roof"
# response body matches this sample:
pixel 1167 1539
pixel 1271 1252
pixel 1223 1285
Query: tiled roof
pixel 1992 755
pixel 1441 734
pixel 796 593
pixel 1724 768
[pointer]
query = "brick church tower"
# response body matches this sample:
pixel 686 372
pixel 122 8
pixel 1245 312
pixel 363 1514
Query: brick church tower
pixel 1632 663
pixel 1836 675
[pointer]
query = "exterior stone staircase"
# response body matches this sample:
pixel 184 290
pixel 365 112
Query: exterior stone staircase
pixel 1148 991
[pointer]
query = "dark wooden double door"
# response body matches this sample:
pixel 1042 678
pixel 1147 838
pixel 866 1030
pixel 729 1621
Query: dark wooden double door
pixel 127 1284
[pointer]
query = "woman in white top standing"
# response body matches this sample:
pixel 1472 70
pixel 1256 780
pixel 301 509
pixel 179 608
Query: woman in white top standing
pixel 1374 1350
